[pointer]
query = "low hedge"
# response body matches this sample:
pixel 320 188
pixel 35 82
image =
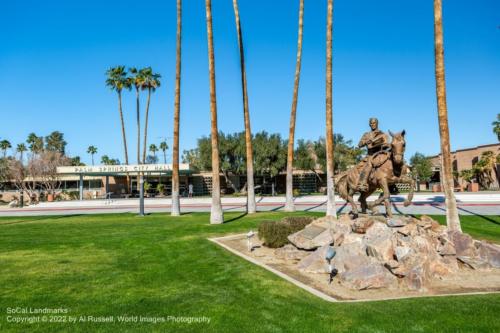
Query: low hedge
pixel 275 233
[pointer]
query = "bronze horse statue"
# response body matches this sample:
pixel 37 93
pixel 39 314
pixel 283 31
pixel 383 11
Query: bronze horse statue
pixel 389 168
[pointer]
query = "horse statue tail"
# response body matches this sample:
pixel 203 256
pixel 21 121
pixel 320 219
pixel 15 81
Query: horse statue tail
pixel 341 185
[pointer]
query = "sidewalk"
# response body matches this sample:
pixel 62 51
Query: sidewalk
pixel 419 198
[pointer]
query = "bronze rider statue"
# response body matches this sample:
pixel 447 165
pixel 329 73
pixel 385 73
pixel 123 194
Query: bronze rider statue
pixel 375 141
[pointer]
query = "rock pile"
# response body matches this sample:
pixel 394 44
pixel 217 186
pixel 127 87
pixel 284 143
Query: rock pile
pixel 402 252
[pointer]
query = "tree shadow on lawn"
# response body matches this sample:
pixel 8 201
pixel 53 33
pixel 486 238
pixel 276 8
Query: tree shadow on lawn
pixel 39 218
pixel 484 217
pixel 242 215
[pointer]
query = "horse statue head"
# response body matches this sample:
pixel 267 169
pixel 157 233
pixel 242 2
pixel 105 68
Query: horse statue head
pixel 398 145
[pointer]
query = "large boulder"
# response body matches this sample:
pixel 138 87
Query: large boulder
pixel 290 252
pixel 474 263
pixel 464 245
pixel 380 242
pixel 401 252
pixel 350 256
pixel 323 231
pixel 370 276
pixel 311 237
pixel 489 253
pixel 408 230
pixel 416 278
pixel 362 224
pixel 315 262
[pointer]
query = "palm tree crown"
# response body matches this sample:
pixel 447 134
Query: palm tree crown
pixel 21 148
pixel 117 79
pixel 92 150
pixel 163 148
pixel 153 149
pixel 496 126
pixel 35 143
pixel 150 81
pixel 4 145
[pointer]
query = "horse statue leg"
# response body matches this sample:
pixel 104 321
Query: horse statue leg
pixel 406 179
pixel 385 196
pixel 350 199
pixel 363 199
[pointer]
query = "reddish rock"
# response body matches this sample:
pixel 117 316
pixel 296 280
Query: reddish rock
pixel 401 252
pixel 350 256
pixel 370 276
pixel 315 262
pixel 362 224
pixel 380 242
pixel 490 253
pixel 416 278
pixel 447 249
pixel 290 252
pixel 464 244
pixel 409 230
pixel 474 263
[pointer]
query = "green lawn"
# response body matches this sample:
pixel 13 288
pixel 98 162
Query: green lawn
pixel 120 264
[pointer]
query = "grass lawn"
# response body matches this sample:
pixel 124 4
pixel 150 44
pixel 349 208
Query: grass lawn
pixel 120 264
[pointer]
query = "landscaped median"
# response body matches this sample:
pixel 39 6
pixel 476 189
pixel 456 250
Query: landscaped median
pixel 124 266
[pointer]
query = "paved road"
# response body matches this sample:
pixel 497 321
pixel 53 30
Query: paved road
pixel 468 204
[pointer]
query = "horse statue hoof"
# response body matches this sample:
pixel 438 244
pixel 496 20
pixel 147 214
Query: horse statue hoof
pixel 406 203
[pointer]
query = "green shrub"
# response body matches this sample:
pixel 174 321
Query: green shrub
pixel 296 192
pixel 297 223
pixel 160 188
pixel 275 233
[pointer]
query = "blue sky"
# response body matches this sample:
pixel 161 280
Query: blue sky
pixel 53 55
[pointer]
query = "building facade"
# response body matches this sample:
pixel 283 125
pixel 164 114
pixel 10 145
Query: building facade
pixel 464 159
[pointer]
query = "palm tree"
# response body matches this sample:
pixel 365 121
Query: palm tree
pixel 55 142
pixel 153 149
pixel 151 82
pixel 105 159
pixel 4 145
pixel 330 186
pixel 452 218
pixel 289 206
pixel 496 126
pixel 21 148
pixel 137 80
pixel 35 143
pixel 117 81
pixel 163 148
pixel 92 150
pixel 216 215
pixel 176 209
pixel 246 114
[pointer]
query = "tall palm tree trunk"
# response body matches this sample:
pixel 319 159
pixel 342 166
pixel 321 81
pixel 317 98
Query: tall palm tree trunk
pixel 452 218
pixel 145 138
pixel 330 186
pixel 92 155
pixel 290 206
pixel 176 207
pixel 138 126
pixel 124 136
pixel 123 127
pixel 216 215
pixel 251 206
pixel 139 175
